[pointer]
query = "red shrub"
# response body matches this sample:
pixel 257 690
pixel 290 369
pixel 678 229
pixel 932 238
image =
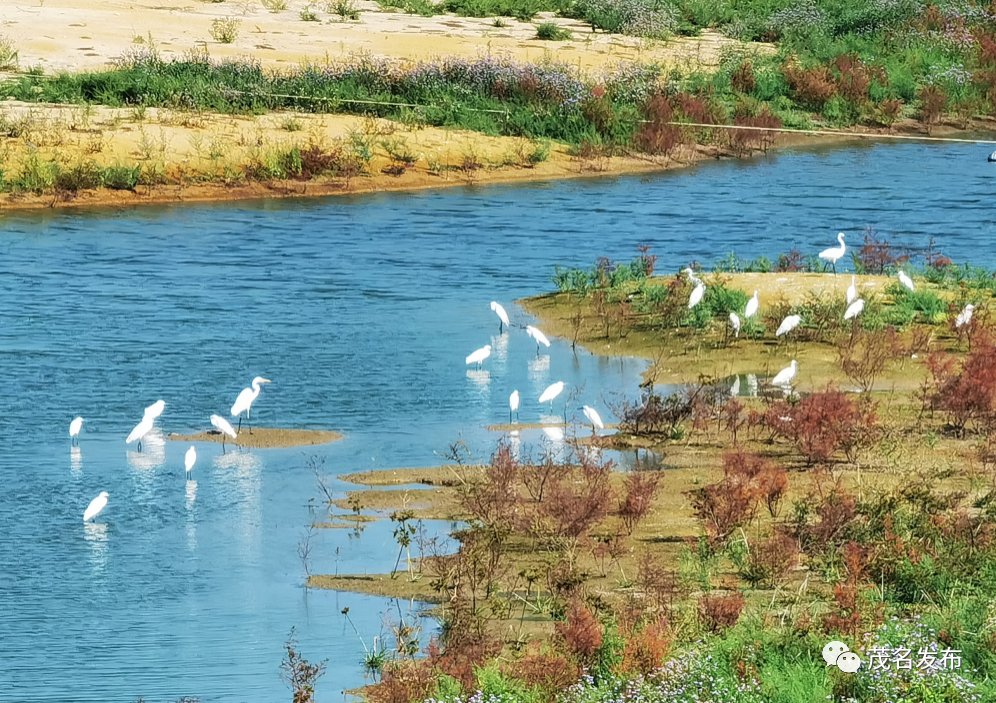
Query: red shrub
pixel 824 424
pixel 812 87
pixel 549 672
pixel 719 613
pixel 403 682
pixel 660 585
pixel 847 618
pixel 462 656
pixel 889 111
pixel 877 254
pixel 757 135
pixel 640 489
pixel 854 77
pixel 581 632
pixel 933 101
pixel 646 647
pixel 966 391
pixel 742 79
pixel 577 501
pixel 790 262
pixel 769 561
pixel 656 136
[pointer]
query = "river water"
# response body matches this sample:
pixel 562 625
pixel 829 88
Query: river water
pixel 361 310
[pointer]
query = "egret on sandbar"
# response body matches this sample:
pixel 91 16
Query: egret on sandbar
pixel 247 396
pixel 735 324
pixel 479 355
pixel 965 316
pixel 513 405
pixel 854 309
pixel 95 506
pixel 502 316
pixel 785 376
pixel 906 281
pixel 74 429
pixel 751 308
pixel 593 417
pixel 189 459
pixel 225 428
pixel 698 292
pixel 788 324
pixel 834 254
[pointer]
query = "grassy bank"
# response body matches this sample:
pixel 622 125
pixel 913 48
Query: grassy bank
pixel 771 524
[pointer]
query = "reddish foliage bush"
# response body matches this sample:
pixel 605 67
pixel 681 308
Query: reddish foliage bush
pixel 933 101
pixel 660 585
pixel 403 682
pixel 790 262
pixel 966 391
pixel 824 424
pixel 655 136
pixel 744 141
pixel 847 618
pixel 576 502
pixel 462 656
pixel 645 648
pixel 864 354
pixel 770 560
pixel 853 76
pixel 834 514
pixel 549 672
pixel 720 613
pixel 640 488
pixel 742 79
pixel 888 111
pixel 812 87
pixel 876 254
pixel 732 502
pixel 581 633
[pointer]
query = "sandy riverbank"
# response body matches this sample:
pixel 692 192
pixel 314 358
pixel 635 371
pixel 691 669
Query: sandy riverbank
pixel 264 437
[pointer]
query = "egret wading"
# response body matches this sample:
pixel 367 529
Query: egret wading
pixel 538 336
pixel 245 399
pixel 225 428
pixel 502 316
pixel 785 376
pixel 189 459
pixel 551 392
pixel 96 505
pixel 593 417
pixel 834 254
pixel 140 430
pixel 479 355
pixel 74 429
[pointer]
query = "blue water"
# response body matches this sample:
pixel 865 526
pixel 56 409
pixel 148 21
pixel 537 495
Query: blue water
pixel 361 310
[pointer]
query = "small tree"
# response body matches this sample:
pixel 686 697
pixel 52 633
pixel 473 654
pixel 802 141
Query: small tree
pixel 300 673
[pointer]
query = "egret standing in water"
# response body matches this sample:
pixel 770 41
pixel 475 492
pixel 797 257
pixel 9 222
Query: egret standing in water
pixel 479 355
pixel 513 405
pixel 538 336
pixel 834 254
pixel 593 417
pixel 551 392
pixel 785 376
pixel 95 506
pixel 189 459
pixel 156 409
pixel 225 428
pixel 140 430
pixel 74 429
pixel 502 316
pixel 247 396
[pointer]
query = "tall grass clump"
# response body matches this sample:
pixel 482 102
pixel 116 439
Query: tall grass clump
pixel 225 29
pixel 9 56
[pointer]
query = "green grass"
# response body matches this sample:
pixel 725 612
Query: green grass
pixel 551 31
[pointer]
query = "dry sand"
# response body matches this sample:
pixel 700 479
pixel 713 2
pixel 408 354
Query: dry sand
pixel 264 437
pixel 77 34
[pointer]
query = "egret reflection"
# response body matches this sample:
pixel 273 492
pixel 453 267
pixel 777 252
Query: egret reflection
pixel 539 367
pixel 95 534
pixel 480 378
pixel 75 460
pixel 153 454
pixel 499 347
pixel 190 493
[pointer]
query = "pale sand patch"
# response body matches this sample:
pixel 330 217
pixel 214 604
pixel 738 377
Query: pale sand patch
pixel 79 34
pixel 264 437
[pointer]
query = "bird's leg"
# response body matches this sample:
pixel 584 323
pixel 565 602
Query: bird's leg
pixel 222 442
pixel 248 410
pixel 510 417
pixel 240 424
pixel 834 264
pixel 139 445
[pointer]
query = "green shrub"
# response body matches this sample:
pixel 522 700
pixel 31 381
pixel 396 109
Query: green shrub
pixel 551 31
pixel 225 30
pixel 9 57
pixel 121 177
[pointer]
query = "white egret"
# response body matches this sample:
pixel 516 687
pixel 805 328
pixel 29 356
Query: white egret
pixel 854 309
pixel 479 355
pixel 751 308
pixel 906 281
pixel 225 428
pixel 788 324
pixel 95 506
pixel 965 316
pixel 785 376
pixel 140 430
pixel 538 336
pixel 735 388
pixel 74 429
pixel 245 399
pixel 698 292
pixel 551 392
pixel 852 291
pixel 513 405
pixel 735 324
pixel 692 278
pixel 156 409
pixel 834 254
pixel 502 316
pixel 593 417
pixel 189 459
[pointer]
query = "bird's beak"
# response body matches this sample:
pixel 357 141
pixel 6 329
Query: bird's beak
pixel 265 380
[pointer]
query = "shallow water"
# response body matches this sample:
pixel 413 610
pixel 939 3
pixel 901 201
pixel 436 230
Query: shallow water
pixel 361 310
